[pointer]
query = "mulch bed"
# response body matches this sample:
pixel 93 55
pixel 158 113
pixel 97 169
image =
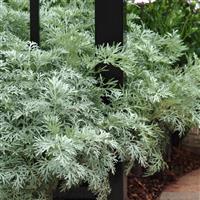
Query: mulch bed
pixel 150 188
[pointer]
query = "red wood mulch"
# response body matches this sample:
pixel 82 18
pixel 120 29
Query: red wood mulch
pixel 150 188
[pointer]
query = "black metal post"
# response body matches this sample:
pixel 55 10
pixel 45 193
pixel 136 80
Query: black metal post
pixel 35 21
pixel 118 183
pixel 109 22
pixel 109 30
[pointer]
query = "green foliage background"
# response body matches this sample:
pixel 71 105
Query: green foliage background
pixel 53 124
pixel 165 16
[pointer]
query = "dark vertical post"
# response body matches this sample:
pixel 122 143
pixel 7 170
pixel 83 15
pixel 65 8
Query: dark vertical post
pixel 109 30
pixel 109 22
pixel 118 183
pixel 35 21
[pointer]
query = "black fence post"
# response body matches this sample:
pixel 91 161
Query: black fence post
pixel 109 30
pixel 35 21
pixel 109 22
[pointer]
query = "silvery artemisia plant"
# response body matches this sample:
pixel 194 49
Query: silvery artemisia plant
pixel 54 127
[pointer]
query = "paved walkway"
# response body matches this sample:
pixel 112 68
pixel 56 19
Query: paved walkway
pixel 186 188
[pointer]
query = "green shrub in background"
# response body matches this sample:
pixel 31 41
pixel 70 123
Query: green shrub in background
pixel 165 16
pixel 53 124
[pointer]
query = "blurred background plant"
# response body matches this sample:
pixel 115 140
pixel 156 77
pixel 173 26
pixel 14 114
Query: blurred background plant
pixel 165 16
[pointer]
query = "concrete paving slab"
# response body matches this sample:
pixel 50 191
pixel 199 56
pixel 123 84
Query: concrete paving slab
pixel 185 188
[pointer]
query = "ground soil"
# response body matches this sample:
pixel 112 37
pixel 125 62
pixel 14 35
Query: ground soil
pixel 149 188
